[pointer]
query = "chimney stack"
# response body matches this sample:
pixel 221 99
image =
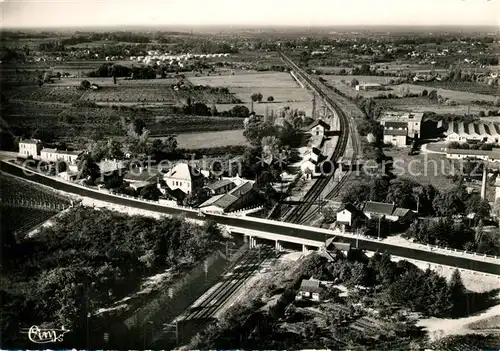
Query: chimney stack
pixel 483 183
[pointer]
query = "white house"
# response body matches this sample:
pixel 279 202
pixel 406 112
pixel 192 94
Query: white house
pixel 30 147
pixel 346 214
pixel 318 128
pixel 54 155
pixel 368 86
pixel 183 177
pixel 309 167
pixel 396 137
pixel 413 121
pixel 375 210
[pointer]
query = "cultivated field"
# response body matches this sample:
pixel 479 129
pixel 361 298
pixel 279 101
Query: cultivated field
pixel 459 96
pixel 472 87
pixel 211 139
pixel 422 104
pixel 252 79
pixel 163 126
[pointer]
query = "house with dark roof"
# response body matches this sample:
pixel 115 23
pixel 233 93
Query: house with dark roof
pixel 240 197
pixel 375 210
pixel 221 186
pixel 310 289
pixel 317 128
pixel 185 177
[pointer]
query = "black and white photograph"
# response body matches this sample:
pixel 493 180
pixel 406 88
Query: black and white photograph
pixel 263 175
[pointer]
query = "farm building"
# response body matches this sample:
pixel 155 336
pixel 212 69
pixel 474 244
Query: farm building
pixel 461 154
pixel 313 153
pixel 395 133
pixel 184 177
pixel 30 147
pixel 413 121
pixel 368 86
pixel 243 196
pixel 472 132
pixel 373 209
pixel 346 214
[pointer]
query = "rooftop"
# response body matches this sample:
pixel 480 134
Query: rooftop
pixel 30 141
pixel 226 200
pixel 219 184
pixel 395 132
pixel 378 207
pixel 318 122
pixel 182 171
pixel 310 285
pixel 495 153
pixel 402 117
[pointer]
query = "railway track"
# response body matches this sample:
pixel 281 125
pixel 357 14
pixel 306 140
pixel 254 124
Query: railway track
pixel 297 214
pixel 213 301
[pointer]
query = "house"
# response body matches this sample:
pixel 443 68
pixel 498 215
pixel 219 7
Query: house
pixel 242 196
pixel 318 128
pixel 375 210
pixel 184 177
pixel 141 175
pixel 346 214
pixel 331 245
pixel 54 155
pixel 30 148
pixel 220 186
pixel 481 131
pixel 108 166
pixel 69 176
pixel 313 153
pixel 309 290
pixel 396 137
pixel 138 186
pixel 308 167
pixel 413 121
pixel 368 86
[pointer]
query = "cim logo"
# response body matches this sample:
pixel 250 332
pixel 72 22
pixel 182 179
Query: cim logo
pixel 45 335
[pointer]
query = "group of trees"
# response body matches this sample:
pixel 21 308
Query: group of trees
pixel 86 261
pixel 116 70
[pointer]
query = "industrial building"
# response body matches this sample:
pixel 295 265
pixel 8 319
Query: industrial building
pixel 481 131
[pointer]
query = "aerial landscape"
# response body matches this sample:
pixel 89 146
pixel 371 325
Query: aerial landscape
pixel 207 176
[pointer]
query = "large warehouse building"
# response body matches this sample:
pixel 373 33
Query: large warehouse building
pixel 481 131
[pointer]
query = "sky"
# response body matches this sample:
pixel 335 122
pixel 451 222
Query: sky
pixel 78 13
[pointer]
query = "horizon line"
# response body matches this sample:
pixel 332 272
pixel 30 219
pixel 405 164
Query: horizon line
pixel 491 26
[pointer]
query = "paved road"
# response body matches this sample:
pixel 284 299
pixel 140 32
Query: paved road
pixel 432 257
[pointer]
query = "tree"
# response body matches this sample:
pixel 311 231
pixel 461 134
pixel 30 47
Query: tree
pixel 85 84
pixel 88 168
pixel 457 291
pixel 433 95
pixel 354 83
pixel 256 97
pixel 479 207
pixel 451 202
pixel 270 98
pixel 270 145
pixel 425 92
pixel 150 192
pixel 482 114
pixel 139 125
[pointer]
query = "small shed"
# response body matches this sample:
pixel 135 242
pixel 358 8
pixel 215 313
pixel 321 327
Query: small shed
pixel 309 289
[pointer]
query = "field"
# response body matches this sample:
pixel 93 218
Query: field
pixel 211 139
pixel 251 79
pixel 163 126
pixel 281 86
pixel 471 87
pixel 25 205
pixel 459 96
pixel 45 93
pixel 421 104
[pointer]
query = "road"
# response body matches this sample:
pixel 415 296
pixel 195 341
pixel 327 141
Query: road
pixel 274 227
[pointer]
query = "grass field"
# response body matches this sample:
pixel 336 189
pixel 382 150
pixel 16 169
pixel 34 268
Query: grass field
pixel 260 108
pixel 211 139
pixel 459 96
pixel 252 79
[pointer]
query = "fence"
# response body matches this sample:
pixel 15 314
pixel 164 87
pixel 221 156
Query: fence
pixel 47 206
pixel 245 211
